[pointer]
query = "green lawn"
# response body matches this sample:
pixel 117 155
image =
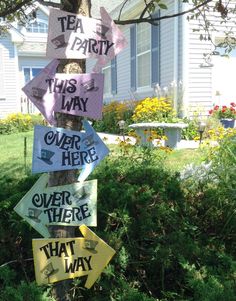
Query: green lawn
pixel 12 152
pixel 177 159
pixel 15 168
pixel 12 162
pixel 13 165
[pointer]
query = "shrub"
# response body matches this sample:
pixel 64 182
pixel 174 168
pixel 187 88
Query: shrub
pixel 112 114
pixel 23 291
pixel 190 132
pixel 18 122
pixel 174 241
pixel 154 109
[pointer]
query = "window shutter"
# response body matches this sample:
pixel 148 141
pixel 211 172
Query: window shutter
pixel 114 76
pixel 155 44
pixel 133 57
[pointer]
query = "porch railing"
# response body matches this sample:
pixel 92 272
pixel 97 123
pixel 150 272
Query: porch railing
pixel 27 107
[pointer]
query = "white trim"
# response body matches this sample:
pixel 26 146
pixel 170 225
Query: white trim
pixel 144 89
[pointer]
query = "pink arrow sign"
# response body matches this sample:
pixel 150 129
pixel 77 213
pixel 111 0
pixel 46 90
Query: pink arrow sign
pixel 75 94
pixel 76 36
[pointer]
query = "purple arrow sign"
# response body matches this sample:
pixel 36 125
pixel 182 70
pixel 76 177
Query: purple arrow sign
pixel 76 36
pixel 59 149
pixel 36 90
pixel 75 94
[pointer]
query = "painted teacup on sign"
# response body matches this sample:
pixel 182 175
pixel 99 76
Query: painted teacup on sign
pixel 75 36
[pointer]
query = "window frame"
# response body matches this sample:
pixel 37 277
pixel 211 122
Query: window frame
pixel 38 33
pixel 31 72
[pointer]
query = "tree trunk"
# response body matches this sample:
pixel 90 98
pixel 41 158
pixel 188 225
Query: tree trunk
pixel 83 7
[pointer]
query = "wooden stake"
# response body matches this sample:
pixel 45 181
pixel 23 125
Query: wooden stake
pixel 83 7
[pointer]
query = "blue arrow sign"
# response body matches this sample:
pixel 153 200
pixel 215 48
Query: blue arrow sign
pixel 60 149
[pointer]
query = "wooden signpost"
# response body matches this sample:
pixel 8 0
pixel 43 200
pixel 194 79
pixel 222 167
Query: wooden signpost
pixel 65 258
pixel 61 200
pixel 72 205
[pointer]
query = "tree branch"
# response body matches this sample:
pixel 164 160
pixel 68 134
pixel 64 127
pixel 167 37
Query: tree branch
pixel 11 9
pixel 15 261
pixel 49 3
pixel 145 9
pixel 154 20
pixel 122 7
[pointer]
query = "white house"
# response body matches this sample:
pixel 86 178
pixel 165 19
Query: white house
pixel 22 56
pixel 166 54
pixel 173 56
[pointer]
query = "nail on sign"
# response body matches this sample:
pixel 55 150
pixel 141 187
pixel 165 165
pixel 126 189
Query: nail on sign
pixel 57 259
pixel 70 205
pixel 76 36
pixel 59 149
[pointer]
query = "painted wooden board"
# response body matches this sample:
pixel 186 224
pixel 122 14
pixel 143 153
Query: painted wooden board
pixel 58 259
pixel 70 205
pixel 60 149
pixel 76 36
pixel 75 94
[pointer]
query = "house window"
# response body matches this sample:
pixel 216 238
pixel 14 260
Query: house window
pixel 37 27
pixel 143 55
pixel 30 73
pixel 110 77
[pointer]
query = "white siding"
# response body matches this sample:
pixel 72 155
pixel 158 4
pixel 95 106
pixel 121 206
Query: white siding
pixel 10 81
pixel 198 81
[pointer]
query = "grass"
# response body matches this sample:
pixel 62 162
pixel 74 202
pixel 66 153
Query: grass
pixel 15 166
pixel 177 159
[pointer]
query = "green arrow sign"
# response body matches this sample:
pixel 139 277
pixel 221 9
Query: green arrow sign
pixel 70 205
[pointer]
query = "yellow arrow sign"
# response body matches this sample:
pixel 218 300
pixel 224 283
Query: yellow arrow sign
pixel 57 259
